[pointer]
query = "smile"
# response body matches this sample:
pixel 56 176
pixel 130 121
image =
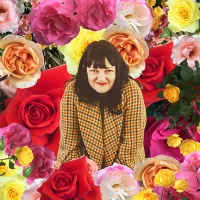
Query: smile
pixel 101 84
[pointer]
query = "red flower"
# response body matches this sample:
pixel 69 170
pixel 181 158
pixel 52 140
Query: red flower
pixel 158 65
pixel 72 182
pixel 38 108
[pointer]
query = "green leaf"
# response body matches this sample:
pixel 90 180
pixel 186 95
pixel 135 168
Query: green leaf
pixel 160 86
pixel 176 71
pixel 197 67
pixel 195 119
pixel 186 73
pixel 173 111
pixel 169 78
pixel 159 118
pixel 186 118
pixel 11 165
pixel 2 163
pixel 184 198
pixel 186 109
pixel 196 80
pixel 166 32
pixel 2 145
pixel 160 95
pixel 1 52
pixel 28 171
pixel 189 124
pixel 14 157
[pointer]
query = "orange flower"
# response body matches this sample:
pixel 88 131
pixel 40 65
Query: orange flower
pixel 131 46
pixel 22 60
pixel 146 170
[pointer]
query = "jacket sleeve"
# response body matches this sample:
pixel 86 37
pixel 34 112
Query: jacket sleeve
pixel 132 147
pixel 69 129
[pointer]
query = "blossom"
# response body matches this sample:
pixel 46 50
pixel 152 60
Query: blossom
pixel 92 166
pixel 12 187
pixel 15 134
pixel 96 15
pixel 116 181
pixel 174 140
pixel 181 185
pixel 42 162
pixel 24 25
pixel 74 50
pixel 24 155
pixel 54 22
pixel 146 194
pixel 186 47
pixel 188 146
pixel 22 60
pixel 164 178
pixel 171 93
pixel 146 170
pixel 134 14
pixel 10 15
pixel 183 15
pixel 131 46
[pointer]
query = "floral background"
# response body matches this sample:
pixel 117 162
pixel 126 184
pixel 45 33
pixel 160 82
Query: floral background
pixel 41 43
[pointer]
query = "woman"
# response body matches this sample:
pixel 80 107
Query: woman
pixel 102 111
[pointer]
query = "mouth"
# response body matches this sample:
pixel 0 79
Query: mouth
pixel 101 84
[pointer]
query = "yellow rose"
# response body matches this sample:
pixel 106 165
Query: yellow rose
pixel 181 185
pixel 183 15
pixel 24 155
pixel 171 93
pixel 188 147
pixel 3 169
pixel 12 187
pixel 151 3
pixel 74 50
pixel 157 12
pixel 198 128
pixel 174 140
pixel 146 195
pixel 165 178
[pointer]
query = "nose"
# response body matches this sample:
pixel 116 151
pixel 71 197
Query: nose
pixel 101 76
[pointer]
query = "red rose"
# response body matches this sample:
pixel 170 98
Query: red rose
pixel 72 181
pixel 38 108
pixel 158 65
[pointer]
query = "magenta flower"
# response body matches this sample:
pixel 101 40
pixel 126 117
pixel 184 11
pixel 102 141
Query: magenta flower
pixel 17 135
pixel 42 162
pixel 97 14
pixel 54 22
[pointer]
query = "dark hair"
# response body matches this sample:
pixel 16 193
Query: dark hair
pixel 95 54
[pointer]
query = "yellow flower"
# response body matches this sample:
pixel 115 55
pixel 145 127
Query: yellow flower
pixel 183 15
pixel 146 195
pixel 24 155
pixel 155 24
pixel 165 178
pixel 188 147
pixel 151 3
pixel 12 188
pixel 28 36
pixel 3 169
pixel 171 93
pixel 198 128
pixel 181 185
pixel 174 140
pixel 157 12
pixel 74 50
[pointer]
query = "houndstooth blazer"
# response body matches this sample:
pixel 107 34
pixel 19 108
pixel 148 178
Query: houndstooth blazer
pixel 80 121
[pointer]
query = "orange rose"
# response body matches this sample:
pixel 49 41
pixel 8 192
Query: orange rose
pixel 22 60
pixel 131 46
pixel 146 170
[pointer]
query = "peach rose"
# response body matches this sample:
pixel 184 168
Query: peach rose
pixel 131 46
pixel 22 60
pixel 146 170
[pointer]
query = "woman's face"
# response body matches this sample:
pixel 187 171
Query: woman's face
pixel 102 80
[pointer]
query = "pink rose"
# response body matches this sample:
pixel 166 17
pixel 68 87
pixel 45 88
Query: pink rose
pixel 96 14
pixel 92 166
pixel 156 134
pixel 54 22
pixel 9 16
pixel 17 135
pixel 186 47
pixel 42 162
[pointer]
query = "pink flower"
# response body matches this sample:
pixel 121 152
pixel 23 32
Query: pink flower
pixel 156 134
pixel 96 14
pixel 92 166
pixel 42 162
pixel 191 162
pixel 24 25
pixel 15 134
pixel 116 181
pixel 54 22
pixel 135 14
pixel 186 47
pixel 9 16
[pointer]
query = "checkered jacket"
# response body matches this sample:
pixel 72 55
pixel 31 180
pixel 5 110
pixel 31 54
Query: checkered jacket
pixel 82 122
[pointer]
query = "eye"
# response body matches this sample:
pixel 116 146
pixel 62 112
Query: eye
pixel 94 70
pixel 109 70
